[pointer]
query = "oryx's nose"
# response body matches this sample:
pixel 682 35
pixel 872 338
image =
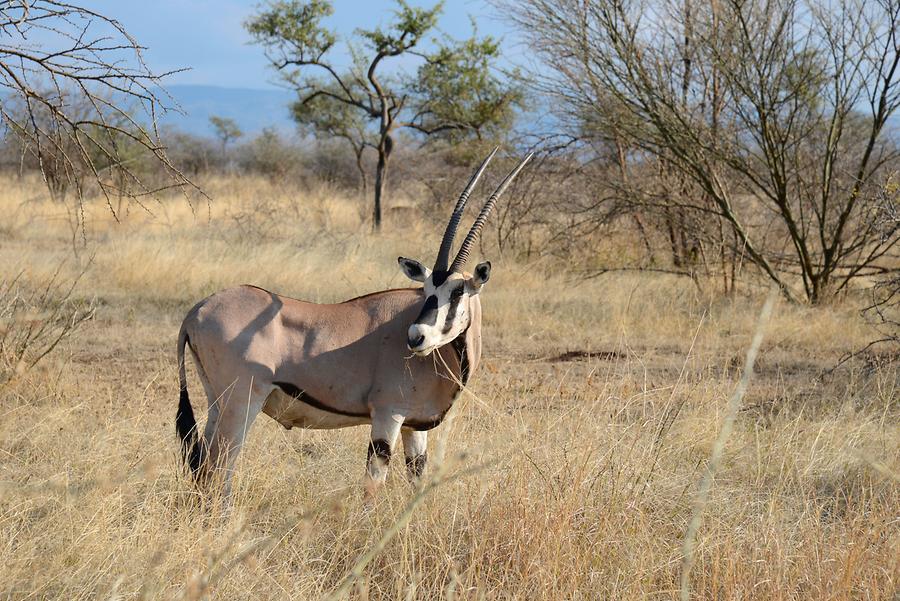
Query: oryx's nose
pixel 415 341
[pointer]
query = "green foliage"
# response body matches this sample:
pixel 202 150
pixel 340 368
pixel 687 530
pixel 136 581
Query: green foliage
pixel 457 93
pixel 269 155
pixel 226 129
pixel 453 95
pixel 411 25
pixel 294 27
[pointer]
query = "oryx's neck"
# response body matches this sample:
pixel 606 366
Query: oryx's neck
pixel 465 349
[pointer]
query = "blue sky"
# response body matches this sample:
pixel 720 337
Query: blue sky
pixel 208 35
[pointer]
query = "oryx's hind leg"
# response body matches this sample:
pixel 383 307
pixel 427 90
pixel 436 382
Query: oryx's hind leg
pixel 385 429
pixel 231 413
pixel 415 446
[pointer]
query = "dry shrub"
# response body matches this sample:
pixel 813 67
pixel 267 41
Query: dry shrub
pixel 35 317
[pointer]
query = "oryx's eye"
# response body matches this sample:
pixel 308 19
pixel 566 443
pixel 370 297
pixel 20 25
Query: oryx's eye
pixel 457 292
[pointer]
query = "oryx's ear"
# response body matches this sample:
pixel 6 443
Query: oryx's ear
pixel 482 274
pixel 413 269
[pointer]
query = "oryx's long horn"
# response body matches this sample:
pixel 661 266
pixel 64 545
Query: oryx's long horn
pixel 443 256
pixel 463 255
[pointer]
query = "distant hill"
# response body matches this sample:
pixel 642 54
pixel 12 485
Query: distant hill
pixel 253 110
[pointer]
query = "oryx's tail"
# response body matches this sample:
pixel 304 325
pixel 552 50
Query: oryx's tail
pixel 185 424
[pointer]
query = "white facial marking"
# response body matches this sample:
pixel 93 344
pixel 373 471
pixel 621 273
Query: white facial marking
pixel 445 314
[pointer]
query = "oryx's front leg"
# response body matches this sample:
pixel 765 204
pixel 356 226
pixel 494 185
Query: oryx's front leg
pixel 385 429
pixel 415 445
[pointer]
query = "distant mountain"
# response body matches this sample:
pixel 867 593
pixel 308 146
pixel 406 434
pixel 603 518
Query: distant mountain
pixel 253 110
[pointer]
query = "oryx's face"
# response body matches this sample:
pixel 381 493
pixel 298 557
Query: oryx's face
pixel 448 290
pixel 445 314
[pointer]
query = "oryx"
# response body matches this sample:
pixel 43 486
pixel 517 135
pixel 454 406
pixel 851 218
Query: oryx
pixel 362 361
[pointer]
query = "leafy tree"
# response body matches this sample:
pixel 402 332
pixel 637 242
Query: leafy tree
pixel 226 129
pixel 455 86
pixel 366 107
pixel 268 154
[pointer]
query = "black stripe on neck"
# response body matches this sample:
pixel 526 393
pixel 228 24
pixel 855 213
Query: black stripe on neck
pixel 459 345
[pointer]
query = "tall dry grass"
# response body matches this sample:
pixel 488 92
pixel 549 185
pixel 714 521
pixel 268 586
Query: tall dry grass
pixel 572 463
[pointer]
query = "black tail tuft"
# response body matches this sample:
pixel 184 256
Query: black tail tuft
pixel 186 426
pixel 185 423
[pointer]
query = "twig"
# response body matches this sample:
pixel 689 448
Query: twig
pixel 734 405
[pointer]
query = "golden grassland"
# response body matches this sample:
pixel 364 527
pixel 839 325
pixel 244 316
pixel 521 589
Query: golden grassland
pixel 563 476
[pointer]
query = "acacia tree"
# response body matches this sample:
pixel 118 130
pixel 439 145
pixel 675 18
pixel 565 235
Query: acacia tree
pixel 78 95
pixel 337 102
pixel 457 96
pixel 227 130
pixel 768 115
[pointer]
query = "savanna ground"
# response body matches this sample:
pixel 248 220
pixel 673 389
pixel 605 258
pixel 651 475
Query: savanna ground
pixel 568 470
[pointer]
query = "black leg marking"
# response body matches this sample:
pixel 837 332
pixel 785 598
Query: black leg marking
pixel 379 448
pixel 415 466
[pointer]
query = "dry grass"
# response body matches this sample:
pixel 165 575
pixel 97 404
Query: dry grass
pixel 583 471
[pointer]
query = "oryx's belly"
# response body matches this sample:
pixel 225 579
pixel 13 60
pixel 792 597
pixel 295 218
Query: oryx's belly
pixel 302 411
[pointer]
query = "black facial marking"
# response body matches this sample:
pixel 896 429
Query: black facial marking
pixel 428 316
pixel 415 465
pixel 439 277
pixel 291 390
pixel 455 297
pixel 379 448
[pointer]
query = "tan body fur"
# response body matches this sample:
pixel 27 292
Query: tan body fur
pixel 351 358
